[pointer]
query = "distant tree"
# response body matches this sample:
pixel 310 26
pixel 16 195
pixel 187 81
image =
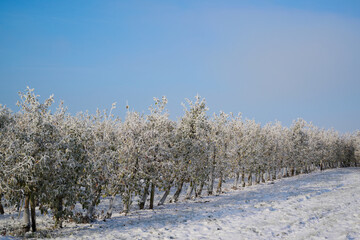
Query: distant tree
pixel 31 154
pixel 221 137
pixel 158 161
pixel 237 149
pixel 190 146
pixel 6 118
pixel 132 153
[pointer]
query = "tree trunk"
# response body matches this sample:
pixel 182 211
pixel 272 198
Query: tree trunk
pixel 126 199
pixel 212 174
pixel 58 216
pixel 286 173
pixel 1 206
pixel 218 190
pixel 90 211
pixel 26 218
pixel 144 196
pixel 257 177
pixel 236 180
pixel 199 191
pixel 94 201
pixel 211 185
pixel 111 206
pixel 19 207
pixel 262 177
pixel 33 213
pixel 249 182
pixel 190 190
pixel 175 198
pixel 166 193
pixel 274 176
pixel 152 195
pixel 243 177
pixel 268 175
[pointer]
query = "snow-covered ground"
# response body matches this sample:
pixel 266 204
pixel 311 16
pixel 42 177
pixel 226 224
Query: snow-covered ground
pixel 320 205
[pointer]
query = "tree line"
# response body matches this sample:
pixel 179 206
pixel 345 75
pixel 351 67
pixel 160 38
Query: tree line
pixel 53 160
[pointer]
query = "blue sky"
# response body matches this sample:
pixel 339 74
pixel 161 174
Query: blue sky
pixel 270 60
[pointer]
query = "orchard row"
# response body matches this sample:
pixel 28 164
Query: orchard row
pixel 55 160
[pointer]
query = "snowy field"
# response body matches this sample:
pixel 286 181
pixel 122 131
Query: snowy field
pixel 320 205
